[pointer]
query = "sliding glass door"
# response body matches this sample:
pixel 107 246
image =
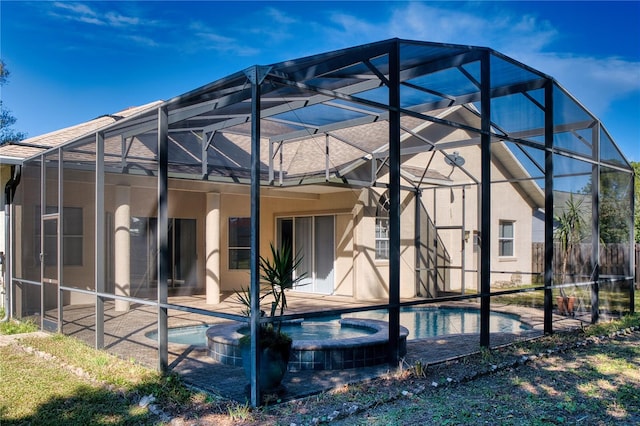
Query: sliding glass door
pixel 312 238
pixel 182 250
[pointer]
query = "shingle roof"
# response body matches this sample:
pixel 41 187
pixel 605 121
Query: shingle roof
pixel 34 145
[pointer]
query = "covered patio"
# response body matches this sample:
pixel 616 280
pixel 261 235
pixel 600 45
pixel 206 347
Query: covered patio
pixel 406 173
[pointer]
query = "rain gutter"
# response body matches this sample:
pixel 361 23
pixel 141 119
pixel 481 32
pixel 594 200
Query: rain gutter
pixel 9 193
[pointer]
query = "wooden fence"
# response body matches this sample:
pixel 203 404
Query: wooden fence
pixel 614 260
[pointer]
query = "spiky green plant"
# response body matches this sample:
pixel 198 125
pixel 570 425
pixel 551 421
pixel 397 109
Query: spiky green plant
pixel 570 231
pixel 280 271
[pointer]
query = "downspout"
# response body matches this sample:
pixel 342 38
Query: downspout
pixel 9 193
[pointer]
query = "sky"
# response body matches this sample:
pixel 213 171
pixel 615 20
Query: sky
pixel 74 61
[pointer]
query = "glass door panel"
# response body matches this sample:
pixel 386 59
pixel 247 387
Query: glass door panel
pixel 183 248
pixel 324 254
pixel 313 242
pixel 303 247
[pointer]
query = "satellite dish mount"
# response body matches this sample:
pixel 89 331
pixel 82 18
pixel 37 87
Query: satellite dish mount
pixel 454 159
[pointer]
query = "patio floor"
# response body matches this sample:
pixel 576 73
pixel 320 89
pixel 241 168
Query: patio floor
pixel 125 335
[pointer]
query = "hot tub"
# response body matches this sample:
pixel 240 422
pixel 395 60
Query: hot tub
pixel 337 353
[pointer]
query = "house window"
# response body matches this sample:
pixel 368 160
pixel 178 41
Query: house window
pixel 239 242
pixel 382 228
pixel 382 238
pixel 72 234
pixel 506 238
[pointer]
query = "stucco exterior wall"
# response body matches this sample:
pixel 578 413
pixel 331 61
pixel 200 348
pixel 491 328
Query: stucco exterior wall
pixel 458 207
pixel 356 270
pixel 372 275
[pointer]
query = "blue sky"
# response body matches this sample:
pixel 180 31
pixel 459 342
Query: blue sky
pixel 73 61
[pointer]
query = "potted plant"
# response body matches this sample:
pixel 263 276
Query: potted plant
pixel 570 231
pixel 275 345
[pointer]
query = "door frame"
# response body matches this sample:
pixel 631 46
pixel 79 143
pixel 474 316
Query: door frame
pixel 49 322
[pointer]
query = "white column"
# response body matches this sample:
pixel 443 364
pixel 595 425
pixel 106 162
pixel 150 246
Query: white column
pixel 122 240
pixel 212 248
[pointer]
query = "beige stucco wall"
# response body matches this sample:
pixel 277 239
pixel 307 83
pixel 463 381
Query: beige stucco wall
pixel 508 203
pixel 234 202
pixel 372 275
pixel 80 194
pixel 356 271
pixel 345 276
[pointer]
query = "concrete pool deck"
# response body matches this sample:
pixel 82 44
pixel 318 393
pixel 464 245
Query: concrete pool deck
pixel 125 336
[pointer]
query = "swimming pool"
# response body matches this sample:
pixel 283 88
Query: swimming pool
pixel 425 322
pixel 421 322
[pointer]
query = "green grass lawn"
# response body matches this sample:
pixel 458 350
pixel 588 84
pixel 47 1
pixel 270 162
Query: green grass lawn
pixel 16 327
pixel 77 385
pixel 36 390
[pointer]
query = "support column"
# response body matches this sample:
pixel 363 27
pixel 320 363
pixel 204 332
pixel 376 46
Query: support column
pixel 163 238
pixel 212 249
pixel 548 207
pixel 394 205
pixel 485 201
pixel 256 76
pixel 595 225
pixel 100 257
pixel 122 240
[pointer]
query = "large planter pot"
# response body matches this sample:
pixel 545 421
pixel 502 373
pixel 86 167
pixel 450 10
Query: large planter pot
pixel 274 359
pixel 566 304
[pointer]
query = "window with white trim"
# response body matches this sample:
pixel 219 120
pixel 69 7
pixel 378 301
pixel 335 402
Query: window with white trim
pixel 506 238
pixel 73 237
pixel 239 242
pixel 382 228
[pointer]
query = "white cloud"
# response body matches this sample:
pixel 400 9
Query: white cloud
pixel 596 81
pixel 142 40
pixel 202 37
pixel 76 8
pixel 116 19
pixel 84 13
pixel 279 17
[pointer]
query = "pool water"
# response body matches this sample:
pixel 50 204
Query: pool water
pixel 320 330
pixel 422 322
pixel 191 335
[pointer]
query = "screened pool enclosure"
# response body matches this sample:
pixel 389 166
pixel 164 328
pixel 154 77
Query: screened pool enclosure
pixel 404 173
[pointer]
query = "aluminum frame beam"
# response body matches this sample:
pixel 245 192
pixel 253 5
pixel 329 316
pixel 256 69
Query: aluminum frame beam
pixel 485 191
pixel 548 204
pixel 394 205
pixel 255 75
pixel 164 258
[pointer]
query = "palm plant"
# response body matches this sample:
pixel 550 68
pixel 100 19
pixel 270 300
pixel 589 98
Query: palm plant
pixel 570 231
pixel 280 272
pixel 275 346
